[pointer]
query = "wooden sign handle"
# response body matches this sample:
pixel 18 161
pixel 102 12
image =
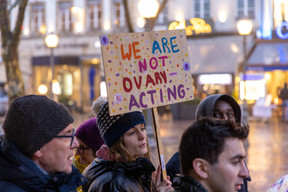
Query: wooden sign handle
pixel 159 142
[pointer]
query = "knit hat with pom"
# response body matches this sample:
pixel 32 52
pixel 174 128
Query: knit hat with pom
pixel 113 127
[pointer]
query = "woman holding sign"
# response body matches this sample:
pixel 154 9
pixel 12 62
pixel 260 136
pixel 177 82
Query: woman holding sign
pixel 123 164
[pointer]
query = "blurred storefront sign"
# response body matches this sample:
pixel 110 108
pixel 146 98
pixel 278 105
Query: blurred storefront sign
pixel 193 26
pixel 282 30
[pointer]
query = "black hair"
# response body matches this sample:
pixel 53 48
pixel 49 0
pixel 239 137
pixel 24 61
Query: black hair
pixel 205 139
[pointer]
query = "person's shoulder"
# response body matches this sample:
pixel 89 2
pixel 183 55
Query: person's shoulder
pixel 113 181
pixel 8 186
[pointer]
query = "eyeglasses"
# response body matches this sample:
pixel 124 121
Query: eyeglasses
pixel 81 149
pixel 67 136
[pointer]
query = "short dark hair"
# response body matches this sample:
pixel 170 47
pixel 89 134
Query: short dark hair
pixel 205 139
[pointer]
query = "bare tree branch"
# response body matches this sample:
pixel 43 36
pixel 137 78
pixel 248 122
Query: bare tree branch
pixel 18 25
pixel 13 6
pixel 163 4
pixel 127 16
pixel 4 23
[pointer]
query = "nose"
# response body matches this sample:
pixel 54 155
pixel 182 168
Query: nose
pixel 225 116
pixel 141 135
pixel 75 143
pixel 244 172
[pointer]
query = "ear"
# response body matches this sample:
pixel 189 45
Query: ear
pixel 38 153
pixel 201 167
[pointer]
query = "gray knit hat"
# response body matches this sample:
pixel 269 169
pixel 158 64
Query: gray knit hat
pixel 113 127
pixel 34 120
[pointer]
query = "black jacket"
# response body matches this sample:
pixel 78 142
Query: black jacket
pixel 113 176
pixel 187 184
pixel 18 173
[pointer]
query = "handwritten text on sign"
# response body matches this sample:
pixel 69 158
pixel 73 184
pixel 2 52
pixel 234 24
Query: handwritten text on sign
pixel 145 70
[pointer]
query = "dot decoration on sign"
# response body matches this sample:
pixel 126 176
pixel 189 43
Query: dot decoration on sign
pixel 118 98
pixel 186 66
pixel 104 40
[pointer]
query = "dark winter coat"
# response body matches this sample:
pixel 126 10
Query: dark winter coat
pixel 187 184
pixel 114 176
pixel 18 173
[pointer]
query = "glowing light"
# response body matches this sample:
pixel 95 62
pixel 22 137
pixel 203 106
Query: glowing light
pixel 103 90
pixel 222 16
pixel 42 89
pixel 56 87
pixel 148 8
pixel 141 22
pixel 234 48
pixel 51 40
pixel 244 27
pixel 197 26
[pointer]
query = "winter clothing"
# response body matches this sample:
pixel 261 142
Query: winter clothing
pixel 109 171
pixel 113 176
pixel 206 109
pixel 113 127
pixel 206 106
pixel 34 120
pixel 187 184
pixel 173 166
pixel 20 174
pixel 89 133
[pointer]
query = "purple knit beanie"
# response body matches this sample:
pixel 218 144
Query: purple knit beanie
pixel 89 133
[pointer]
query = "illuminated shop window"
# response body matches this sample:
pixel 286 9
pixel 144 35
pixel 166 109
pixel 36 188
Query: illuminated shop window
pixel 64 16
pixel 280 12
pixel 68 84
pixel 245 8
pixel 94 14
pixel 202 8
pixel 118 13
pixel 38 19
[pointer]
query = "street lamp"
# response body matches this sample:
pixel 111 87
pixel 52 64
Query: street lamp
pixel 51 41
pixel 244 27
pixel 148 10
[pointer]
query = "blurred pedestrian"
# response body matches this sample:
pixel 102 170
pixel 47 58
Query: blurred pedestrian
pixel 221 106
pixel 284 97
pixel 123 164
pixel 212 157
pixel 37 148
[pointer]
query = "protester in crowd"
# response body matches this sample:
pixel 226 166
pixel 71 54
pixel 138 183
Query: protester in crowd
pixel 123 164
pixel 212 157
pixel 221 106
pixel 284 98
pixel 89 138
pixel 90 141
pixel 37 148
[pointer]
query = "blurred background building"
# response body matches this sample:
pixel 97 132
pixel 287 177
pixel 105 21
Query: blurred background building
pixel 223 61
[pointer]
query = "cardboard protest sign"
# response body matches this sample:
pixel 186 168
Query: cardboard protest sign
pixel 145 70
